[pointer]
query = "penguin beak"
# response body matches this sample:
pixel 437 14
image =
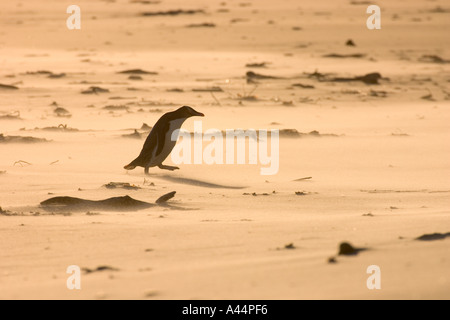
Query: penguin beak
pixel 198 114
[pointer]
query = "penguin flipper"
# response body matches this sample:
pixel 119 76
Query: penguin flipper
pixel 160 139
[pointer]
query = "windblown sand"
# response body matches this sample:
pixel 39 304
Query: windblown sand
pixel 379 170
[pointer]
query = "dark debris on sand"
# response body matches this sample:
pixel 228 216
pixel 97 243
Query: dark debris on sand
pixel 293 133
pixel 316 74
pixel 49 74
pixel 11 116
pixel 146 127
pixel 145 1
pixel 62 113
pixel 137 71
pixel 135 77
pixel 115 107
pixel 255 194
pixel 289 246
pixel 39 72
pixel 347 249
pixel 56 75
pixel 165 198
pixel 124 203
pixel 201 25
pixel 135 135
pixel 95 90
pixel 175 90
pixel 350 43
pixel 433 236
pixel 121 185
pixel 20 139
pixel 432 59
pixel 8 87
pixel 303 86
pixel 257 76
pixel 257 65
pixel 369 78
pixel 99 269
pixel 172 12
pixel 343 56
pixel 209 89
pixel 60 128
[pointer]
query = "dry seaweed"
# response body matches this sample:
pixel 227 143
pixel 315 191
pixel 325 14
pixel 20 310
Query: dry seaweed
pixel 303 86
pixel 56 75
pixel 121 185
pixel 172 12
pixel 350 43
pixel 433 59
pixel 303 179
pixel 115 107
pixel 145 1
pixel 145 127
pixel 166 197
pixel 137 71
pixel 15 115
pixel 293 133
pixel 201 25
pixel 370 78
pixel 94 90
pixel 252 75
pixel 59 128
pixel 62 113
pixel 343 56
pixel 8 87
pixel 99 268
pixel 134 135
pixel 175 90
pixel 39 72
pixel 433 236
pixel 20 139
pixel 257 65
pixel 124 203
pixel 210 89
pixel 135 78
pixel 289 246
pixel 347 249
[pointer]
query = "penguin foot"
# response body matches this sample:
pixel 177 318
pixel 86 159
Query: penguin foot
pixel 171 168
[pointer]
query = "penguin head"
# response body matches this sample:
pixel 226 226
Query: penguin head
pixel 187 112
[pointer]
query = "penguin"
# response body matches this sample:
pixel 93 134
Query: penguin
pixel 159 143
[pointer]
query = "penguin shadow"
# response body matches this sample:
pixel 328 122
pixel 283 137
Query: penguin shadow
pixel 194 182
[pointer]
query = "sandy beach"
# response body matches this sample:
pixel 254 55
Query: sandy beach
pixel 363 118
